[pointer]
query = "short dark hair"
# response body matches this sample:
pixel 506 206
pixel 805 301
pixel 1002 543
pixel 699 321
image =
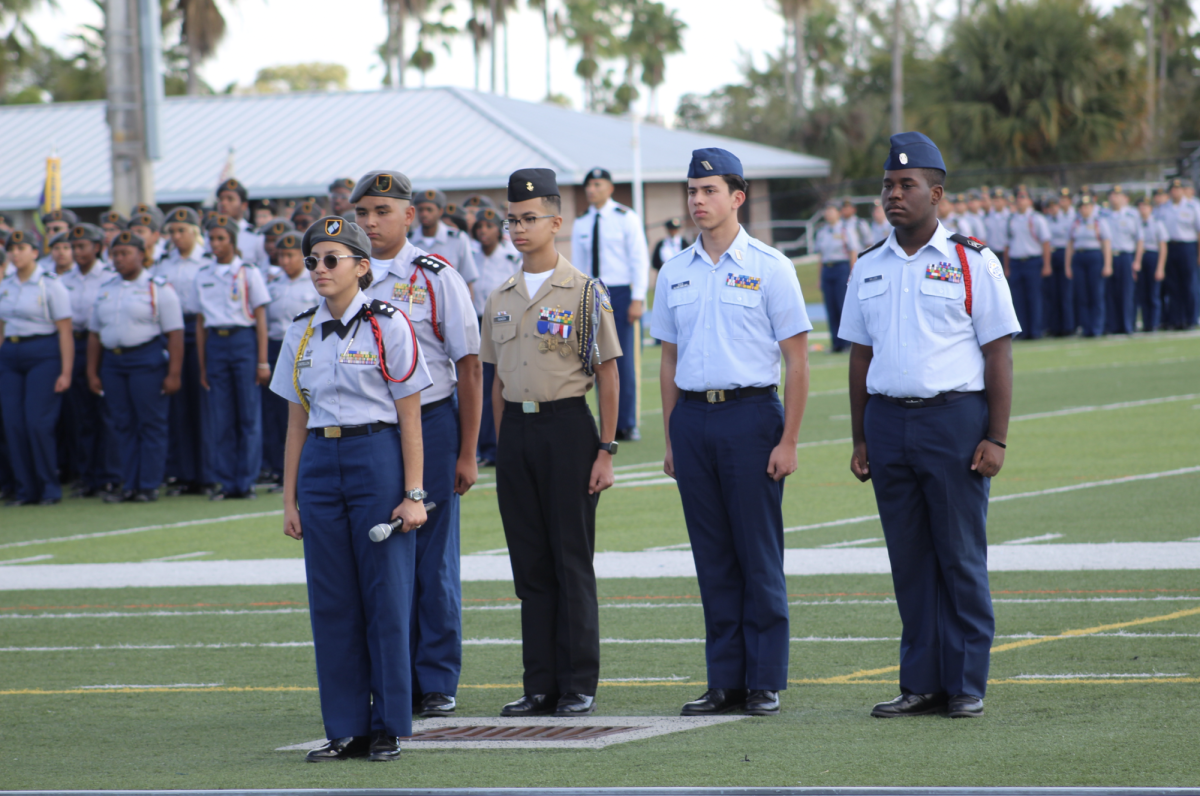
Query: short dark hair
pixel 736 183
pixel 934 177
pixel 553 203
pixel 366 279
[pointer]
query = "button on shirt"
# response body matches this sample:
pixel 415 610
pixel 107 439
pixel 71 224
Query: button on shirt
pixel 494 271
pixel 229 294
pixel 835 242
pixel 1026 233
pixel 1087 234
pixel 1154 233
pixel 404 286
pixel 624 256
pixel 451 243
pixel 1182 220
pixel 129 312
pixel 83 289
pixel 289 298
pixel 341 377
pixel 180 272
pixel 537 365
pixel 1126 228
pixel 31 307
pixel 924 341
pixel 728 317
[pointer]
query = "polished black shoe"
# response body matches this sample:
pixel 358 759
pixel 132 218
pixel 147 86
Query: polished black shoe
pixel 217 493
pixel 762 703
pixel 715 702
pixel 435 706
pixel 964 706
pixel 248 495
pixel 177 489
pixel 384 748
pixel 909 705
pixel 18 502
pixel 146 496
pixel 341 749
pixel 530 705
pixel 85 492
pixel 49 501
pixel 117 496
pixel 575 705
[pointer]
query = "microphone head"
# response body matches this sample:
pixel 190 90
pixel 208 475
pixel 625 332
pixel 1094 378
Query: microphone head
pixel 380 532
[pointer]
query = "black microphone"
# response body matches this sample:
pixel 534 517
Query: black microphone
pixel 384 529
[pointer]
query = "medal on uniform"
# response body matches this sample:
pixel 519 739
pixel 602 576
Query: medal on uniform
pixel 744 281
pixel 352 356
pixel 944 272
pixel 555 322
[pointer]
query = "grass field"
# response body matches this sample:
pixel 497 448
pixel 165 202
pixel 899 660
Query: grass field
pixel 1116 701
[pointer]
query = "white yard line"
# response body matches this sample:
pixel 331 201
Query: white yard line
pixel 100 534
pixel 1093 676
pixel 182 556
pixel 1076 410
pixel 1046 537
pixel 26 560
pixel 855 543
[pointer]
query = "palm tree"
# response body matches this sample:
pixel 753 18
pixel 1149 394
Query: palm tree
pixel 480 32
pixel 398 12
pixel 795 13
pixel 422 58
pixel 655 32
pixel 590 28
pixel 897 67
pixel 203 27
pixel 552 24
pixel 18 43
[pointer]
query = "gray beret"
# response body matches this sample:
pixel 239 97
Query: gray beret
pixel 338 230
pixel 391 184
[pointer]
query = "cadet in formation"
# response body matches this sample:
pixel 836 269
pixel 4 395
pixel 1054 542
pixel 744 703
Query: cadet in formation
pixel 1126 227
pixel 232 202
pixel 1153 267
pixel 56 222
pixel 1027 255
pixel 727 309
pixel 133 315
pixel 837 245
pixel 1058 302
pixel 1089 251
pixel 550 333
pixel 1182 220
pixel 434 236
pixel 931 319
pixel 352 371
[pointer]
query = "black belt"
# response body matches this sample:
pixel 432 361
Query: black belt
pixel 14 338
pixel 336 432
pixel 721 396
pixel 80 335
pixel 429 407
pixel 534 407
pixel 129 349
pixel 918 403
pixel 835 262
pixel 225 331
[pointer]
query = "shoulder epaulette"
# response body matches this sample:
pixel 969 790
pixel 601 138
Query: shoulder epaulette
pixel 453 232
pixel 512 258
pixel 970 243
pixel 159 280
pixel 432 262
pixel 620 208
pixel 306 313
pixel 870 249
pixel 207 255
pixel 50 274
pixel 382 308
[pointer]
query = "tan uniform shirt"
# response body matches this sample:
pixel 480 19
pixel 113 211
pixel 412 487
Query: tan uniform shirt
pixel 543 365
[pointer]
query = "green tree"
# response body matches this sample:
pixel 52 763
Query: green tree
pixel 202 27
pixel 590 25
pixel 19 45
pixel 423 58
pixel 315 76
pixel 654 33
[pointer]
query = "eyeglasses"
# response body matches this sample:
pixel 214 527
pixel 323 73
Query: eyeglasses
pixel 330 260
pixel 524 222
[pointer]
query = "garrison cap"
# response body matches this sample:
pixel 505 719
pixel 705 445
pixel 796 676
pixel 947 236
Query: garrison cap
pixel 673 223
pixel 89 232
pixel 184 215
pixel 1116 189
pixel 432 195
pixel 1064 191
pixel 713 162
pixel 1144 200
pixel 341 184
pixel 999 193
pixel 338 230
pixel 278 226
pixel 1178 183
pixel 600 174
pixel 832 204
pixel 19 236
pixel 62 237
pixel 478 200
pixel 151 221
pixel 532 184
pixel 1022 192
pixel 960 199
pixel 221 221
pixel 913 151
pixel 1086 199
pixel 234 186
pixel 61 215
pixel 391 184
pixel 290 240
pixel 847 203
pixel 128 238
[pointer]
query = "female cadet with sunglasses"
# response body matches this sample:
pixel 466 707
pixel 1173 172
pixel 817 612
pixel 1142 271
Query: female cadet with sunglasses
pixel 353 372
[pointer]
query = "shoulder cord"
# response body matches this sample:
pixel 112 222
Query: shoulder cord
pixel 296 365
pixel 378 333
pixel 966 269
pixel 437 329
pixel 42 296
pixel 587 326
pixel 153 301
pixel 241 275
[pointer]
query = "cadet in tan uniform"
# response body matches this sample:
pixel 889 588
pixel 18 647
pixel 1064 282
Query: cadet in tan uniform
pixel 549 331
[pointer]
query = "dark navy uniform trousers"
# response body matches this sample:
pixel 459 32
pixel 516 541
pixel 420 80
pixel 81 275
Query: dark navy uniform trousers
pixel 28 370
pixel 834 277
pixel 1058 299
pixel 1180 285
pixel 436 624
pixel 734 514
pixel 1149 292
pixel 1086 270
pixel 1025 282
pixel 187 455
pixel 274 417
pixel 359 591
pixel 622 297
pixel 98 460
pixel 934 512
pixel 234 417
pixel 137 412
pixel 1118 289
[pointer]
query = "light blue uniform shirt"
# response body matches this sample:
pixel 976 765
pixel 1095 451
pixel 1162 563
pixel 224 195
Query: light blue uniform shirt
pixel 289 298
pixel 451 243
pixel 836 242
pixel 341 377
pixel 924 341
pixel 30 308
pixel 1088 234
pixel 180 272
pixel 996 227
pixel 728 317
pixel 1060 228
pixel 128 313
pixel 229 294
pixel 1154 233
pixel 83 289
pixel 1182 221
pixel 494 271
pixel 1126 228
pixel 624 256
pixel 879 231
pixel 1026 233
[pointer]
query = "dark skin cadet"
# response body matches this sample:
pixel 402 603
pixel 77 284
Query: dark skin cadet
pixel 910 202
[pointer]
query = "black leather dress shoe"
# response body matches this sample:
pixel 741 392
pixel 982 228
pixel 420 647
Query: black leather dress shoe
pixel 18 502
pixel 531 705
pixel 762 703
pixel 575 705
pixel 341 749
pixel 965 706
pixel 217 493
pixel 384 748
pixel 117 496
pixel 435 705
pixel 909 705
pixel 146 496
pixel 49 501
pixel 715 702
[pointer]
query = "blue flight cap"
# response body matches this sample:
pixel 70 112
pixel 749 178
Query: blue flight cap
pixel 713 162
pixel 913 151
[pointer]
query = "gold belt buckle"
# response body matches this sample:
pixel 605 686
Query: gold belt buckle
pixel 117 351
pixel 530 407
pixel 715 396
pixel 222 332
pixel 14 339
pixel 332 432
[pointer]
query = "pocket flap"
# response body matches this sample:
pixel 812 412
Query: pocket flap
pixel 936 287
pixel 741 297
pixel 868 290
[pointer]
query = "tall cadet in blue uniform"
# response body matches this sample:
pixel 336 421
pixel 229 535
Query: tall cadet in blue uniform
pixel 1127 246
pixel 438 304
pixel 837 245
pixel 353 460
pixel 1153 267
pixel 1089 251
pixel 1027 255
pixel 1182 220
pixel 931 320
pixel 725 309
pixel 37 356
pixel 132 315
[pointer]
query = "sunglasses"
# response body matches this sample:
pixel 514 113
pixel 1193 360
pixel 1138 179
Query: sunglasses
pixel 330 260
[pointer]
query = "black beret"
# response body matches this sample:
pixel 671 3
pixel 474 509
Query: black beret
pixel 338 230
pixel 455 212
pixel 673 223
pixel 341 183
pixel 490 215
pixel 184 215
pixel 278 226
pixel 60 215
pixel 290 240
pixel 532 184
pixel 20 236
pixel 129 239
pixel 62 237
pixel 235 186
pixel 150 221
pixel 87 232
pixel 391 184
pixel 478 200
pixel 600 174
pixel 431 195
pixel 227 223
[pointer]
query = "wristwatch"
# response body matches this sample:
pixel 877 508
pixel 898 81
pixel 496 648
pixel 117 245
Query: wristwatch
pixel 417 495
pixel 611 447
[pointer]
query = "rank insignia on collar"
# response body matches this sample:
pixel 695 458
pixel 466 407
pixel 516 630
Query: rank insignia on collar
pixel 944 272
pixel 502 317
pixel 743 281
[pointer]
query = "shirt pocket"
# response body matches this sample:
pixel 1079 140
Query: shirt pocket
pixel 940 302
pixel 507 352
pixel 685 306
pixel 739 307
pixel 873 303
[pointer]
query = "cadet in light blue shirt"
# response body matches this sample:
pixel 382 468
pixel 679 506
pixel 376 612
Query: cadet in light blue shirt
pixel 1026 262
pixel 837 244
pixel 1153 265
pixel 1182 219
pixel 1090 254
pixel 1126 227
pixel 727 309
pixel 1058 300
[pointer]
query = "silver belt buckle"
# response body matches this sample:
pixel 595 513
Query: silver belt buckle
pixel 530 407
pixel 715 396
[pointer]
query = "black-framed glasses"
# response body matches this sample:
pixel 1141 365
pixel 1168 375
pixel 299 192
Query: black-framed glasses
pixel 524 222
pixel 330 260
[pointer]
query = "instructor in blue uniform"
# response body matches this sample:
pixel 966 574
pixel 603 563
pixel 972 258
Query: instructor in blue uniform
pixel 931 319
pixel 726 309
pixel 352 372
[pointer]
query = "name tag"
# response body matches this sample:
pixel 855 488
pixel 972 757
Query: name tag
pixel 207 284
pixel 502 317
pixel 944 272
pixel 743 281
pixel 875 278
pixel 304 363
pixel 678 285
